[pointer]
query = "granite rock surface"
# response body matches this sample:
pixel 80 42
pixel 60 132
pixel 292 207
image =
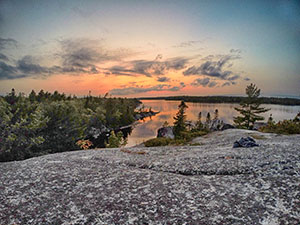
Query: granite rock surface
pixel 208 183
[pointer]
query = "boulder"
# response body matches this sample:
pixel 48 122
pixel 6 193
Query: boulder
pixel 247 142
pixel 166 132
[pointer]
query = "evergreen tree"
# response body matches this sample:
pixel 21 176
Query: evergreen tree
pixel 208 120
pixel 180 119
pixel 116 140
pixel 199 125
pixel 32 96
pixel 250 109
pixel 216 116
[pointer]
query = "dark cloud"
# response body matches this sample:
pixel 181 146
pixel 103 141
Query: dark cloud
pixel 234 77
pixel 7 42
pixel 214 68
pixel 201 82
pixel 28 66
pixel 120 70
pixel 138 89
pixel 163 79
pixel 8 72
pixel 226 84
pixel 149 68
pixel 204 82
pixel 212 84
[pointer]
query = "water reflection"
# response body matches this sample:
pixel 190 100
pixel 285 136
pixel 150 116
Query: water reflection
pixel 148 129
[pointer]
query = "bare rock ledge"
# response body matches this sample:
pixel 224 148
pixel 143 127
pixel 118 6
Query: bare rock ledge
pixel 210 183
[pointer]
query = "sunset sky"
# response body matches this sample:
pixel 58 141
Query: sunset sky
pixel 150 48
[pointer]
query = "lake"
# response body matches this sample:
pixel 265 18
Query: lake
pixel 148 128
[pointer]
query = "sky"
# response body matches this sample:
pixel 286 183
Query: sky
pixel 135 48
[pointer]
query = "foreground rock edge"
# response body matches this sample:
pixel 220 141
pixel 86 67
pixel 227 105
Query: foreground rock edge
pixel 209 183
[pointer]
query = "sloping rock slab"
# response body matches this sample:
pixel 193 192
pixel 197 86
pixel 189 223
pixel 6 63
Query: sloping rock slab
pixel 207 184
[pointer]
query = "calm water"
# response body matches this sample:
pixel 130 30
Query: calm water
pixel 148 129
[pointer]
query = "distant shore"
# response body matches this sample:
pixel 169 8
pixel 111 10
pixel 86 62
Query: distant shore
pixel 226 99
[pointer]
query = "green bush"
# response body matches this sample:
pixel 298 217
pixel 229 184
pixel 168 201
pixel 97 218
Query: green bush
pixel 283 127
pixel 186 137
pixel 161 141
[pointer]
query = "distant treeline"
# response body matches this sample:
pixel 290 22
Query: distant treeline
pixel 226 99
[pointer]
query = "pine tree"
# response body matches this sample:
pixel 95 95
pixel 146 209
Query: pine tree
pixel 216 115
pixel 180 119
pixel 250 109
pixel 32 96
pixel 116 140
pixel 199 125
pixel 208 120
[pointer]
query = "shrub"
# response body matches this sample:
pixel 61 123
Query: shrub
pixel 161 141
pixel 84 144
pixel 116 141
pixel 283 127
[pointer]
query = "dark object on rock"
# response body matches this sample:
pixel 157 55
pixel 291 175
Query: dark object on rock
pixel 247 142
pixel 166 132
pixel 227 126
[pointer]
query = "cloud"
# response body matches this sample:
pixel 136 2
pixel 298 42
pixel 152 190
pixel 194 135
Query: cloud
pixel 226 84
pixel 28 66
pixel 3 57
pixel 236 51
pixel 77 56
pixel 7 42
pixel 163 79
pixel 149 68
pixel 212 84
pixel 214 68
pixel 204 82
pixel 186 44
pixel 138 89
pixel 234 77
pixel 82 54
pixel 8 72
pixel 200 82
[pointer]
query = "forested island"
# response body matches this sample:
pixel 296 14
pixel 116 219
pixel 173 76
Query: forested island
pixel 226 99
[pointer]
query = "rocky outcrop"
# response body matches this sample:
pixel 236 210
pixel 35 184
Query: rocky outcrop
pixel 209 183
pixel 166 132
pixel 217 125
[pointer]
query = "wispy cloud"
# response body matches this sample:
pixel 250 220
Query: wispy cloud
pixel 186 44
pixel 204 82
pixel 150 68
pixel 76 56
pixel 7 42
pixel 215 68
pixel 139 89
